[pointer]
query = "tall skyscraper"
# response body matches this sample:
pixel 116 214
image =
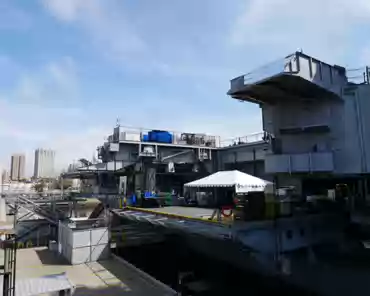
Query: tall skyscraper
pixel 5 177
pixel 17 167
pixel 44 163
pixel 22 167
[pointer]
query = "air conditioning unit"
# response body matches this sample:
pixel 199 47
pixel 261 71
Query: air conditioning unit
pixel 114 147
pixel 125 136
pixel 148 151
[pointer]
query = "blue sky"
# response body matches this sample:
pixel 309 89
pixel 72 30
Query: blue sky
pixel 69 68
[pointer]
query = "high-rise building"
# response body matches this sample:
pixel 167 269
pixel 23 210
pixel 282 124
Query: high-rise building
pixel 44 163
pixel 17 167
pixel 22 167
pixel 4 177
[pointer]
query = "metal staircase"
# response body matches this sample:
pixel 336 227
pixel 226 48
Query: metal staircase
pixel 44 229
pixel 51 215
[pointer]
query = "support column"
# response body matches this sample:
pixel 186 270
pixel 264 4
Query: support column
pixel 61 186
pixel 2 209
pixel 150 179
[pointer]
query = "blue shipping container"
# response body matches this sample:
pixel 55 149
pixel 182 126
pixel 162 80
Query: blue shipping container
pixel 164 137
pixel 160 136
pixel 152 136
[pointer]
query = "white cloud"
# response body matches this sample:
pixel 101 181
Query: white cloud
pixel 41 110
pixel 319 27
pixel 37 113
pixel 26 127
pixel 114 35
pixel 55 81
pixel 66 10
pixel 103 21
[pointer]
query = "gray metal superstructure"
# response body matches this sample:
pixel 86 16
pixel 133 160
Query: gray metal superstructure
pixel 156 166
pixel 315 116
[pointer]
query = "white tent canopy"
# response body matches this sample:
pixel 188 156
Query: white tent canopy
pixel 242 182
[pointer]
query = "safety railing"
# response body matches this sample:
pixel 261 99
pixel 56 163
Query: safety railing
pixel 130 134
pixel 359 75
pixel 271 69
pixel 282 65
pixel 249 139
pixel 32 206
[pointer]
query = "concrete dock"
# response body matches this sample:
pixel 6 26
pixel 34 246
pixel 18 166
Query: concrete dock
pixel 111 277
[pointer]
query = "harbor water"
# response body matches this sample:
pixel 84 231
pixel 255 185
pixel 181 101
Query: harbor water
pixel 168 260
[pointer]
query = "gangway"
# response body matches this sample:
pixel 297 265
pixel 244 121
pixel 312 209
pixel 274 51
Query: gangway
pixel 52 216
pixel 255 236
pixel 195 224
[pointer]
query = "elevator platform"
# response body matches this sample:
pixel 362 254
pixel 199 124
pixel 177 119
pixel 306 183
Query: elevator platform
pixel 186 219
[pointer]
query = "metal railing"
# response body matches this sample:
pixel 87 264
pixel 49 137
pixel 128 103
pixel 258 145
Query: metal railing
pixel 282 65
pixel 32 206
pixel 140 135
pixel 131 134
pixel 358 75
pixel 249 139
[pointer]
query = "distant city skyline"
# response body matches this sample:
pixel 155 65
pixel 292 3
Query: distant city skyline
pixel 38 170
pixel 17 167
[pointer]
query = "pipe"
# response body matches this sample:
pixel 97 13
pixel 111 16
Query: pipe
pixel 176 154
pixel 360 132
pixel 254 162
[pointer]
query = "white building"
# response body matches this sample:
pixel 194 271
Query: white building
pixel 44 163
pixel 316 119
pixel 17 167
pixel 17 187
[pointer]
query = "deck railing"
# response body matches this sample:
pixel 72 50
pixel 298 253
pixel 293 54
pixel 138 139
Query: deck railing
pixel 252 138
pixel 287 64
pixel 129 134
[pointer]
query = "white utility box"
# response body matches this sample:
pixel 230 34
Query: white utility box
pixel 84 241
